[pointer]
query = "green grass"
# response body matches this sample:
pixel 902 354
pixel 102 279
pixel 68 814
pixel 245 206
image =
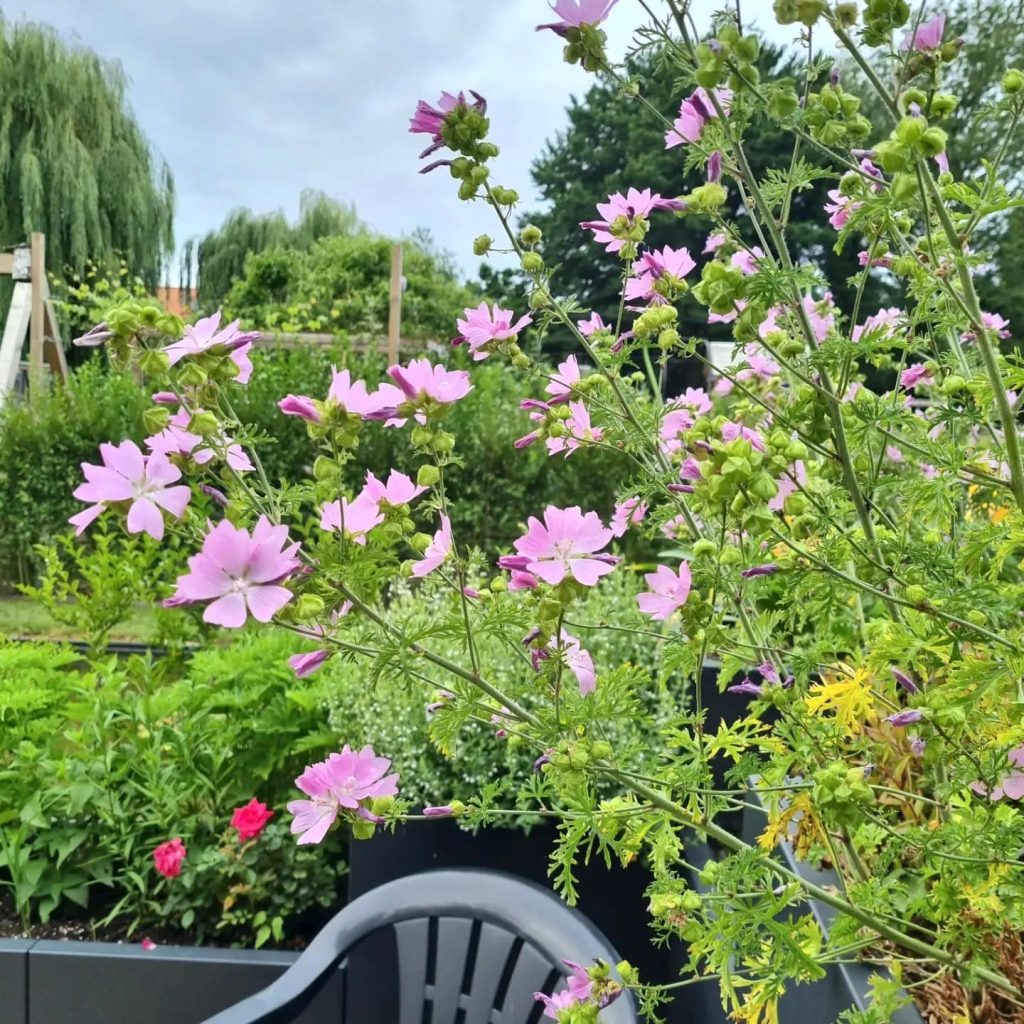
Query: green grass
pixel 21 616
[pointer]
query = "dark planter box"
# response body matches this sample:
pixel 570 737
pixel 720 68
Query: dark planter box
pixel 845 986
pixel 102 983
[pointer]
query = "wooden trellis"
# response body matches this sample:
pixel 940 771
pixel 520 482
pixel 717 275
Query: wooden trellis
pixel 32 314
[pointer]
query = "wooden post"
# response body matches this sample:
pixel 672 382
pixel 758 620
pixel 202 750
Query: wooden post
pixel 395 308
pixel 37 335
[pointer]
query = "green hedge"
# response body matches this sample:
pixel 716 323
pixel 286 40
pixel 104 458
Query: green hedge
pixel 42 444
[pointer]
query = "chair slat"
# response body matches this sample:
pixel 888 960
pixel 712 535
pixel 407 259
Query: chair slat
pixel 453 935
pixel 528 976
pixel 491 957
pixel 413 946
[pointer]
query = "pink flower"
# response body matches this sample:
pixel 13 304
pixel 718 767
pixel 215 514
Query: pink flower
pixel 927 37
pixel 300 405
pixel 349 780
pixel 306 664
pixel 580 432
pixel 592 326
pixel 628 513
pixel 652 266
pixel 354 518
pixel 994 322
pixel 745 261
pixel 560 385
pixel 696 110
pixel 399 490
pixel 437 550
pixel 885 321
pixel 428 120
pixel 787 484
pixel 916 373
pixel 820 314
pixel 421 381
pixel 519 578
pixel 863 258
pixel 177 439
pixel 577 660
pixel 353 396
pixel 485 324
pixel 715 242
pixel 127 475
pixel 1011 784
pixel 94 336
pixel 732 431
pixel 567 542
pixel 250 819
pixel 841 209
pixel 167 857
pixel 669 591
pixel 577 13
pixel 621 211
pixel 240 573
pixel 203 336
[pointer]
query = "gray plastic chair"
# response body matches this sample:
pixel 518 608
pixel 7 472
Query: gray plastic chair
pixel 473 947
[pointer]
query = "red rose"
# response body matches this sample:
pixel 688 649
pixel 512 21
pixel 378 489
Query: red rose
pixel 250 819
pixel 168 857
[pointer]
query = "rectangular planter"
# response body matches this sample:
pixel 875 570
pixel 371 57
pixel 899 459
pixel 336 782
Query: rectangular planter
pixel 845 986
pixel 45 982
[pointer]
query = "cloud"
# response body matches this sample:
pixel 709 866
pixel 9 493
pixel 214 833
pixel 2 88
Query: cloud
pixel 251 101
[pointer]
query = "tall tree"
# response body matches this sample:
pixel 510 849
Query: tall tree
pixel 612 144
pixel 73 161
pixel 221 255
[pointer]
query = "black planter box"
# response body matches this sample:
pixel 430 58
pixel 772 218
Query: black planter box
pixel 845 986
pixel 48 982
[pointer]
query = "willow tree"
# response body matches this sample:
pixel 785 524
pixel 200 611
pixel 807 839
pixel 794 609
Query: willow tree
pixel 73 161
pixel 222 253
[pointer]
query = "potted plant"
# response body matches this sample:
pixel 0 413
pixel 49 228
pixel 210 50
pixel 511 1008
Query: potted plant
pixel 845 509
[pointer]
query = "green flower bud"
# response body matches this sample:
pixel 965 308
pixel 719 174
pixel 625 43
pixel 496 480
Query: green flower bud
pixel 933 142
pixel 730 555
pixel 953 384
pixel 532 262
pixel 309 606
pixel 892 156
pixel 846 14
pixel 427 475
pixel 482 245
pixel 326 470
pixel 363 829
pixel 904 187
pixel 915 594
pixel 521 361
pixel 204 424
pixel 1013 81
pixel 192 376
pixel 943 104
pixel 155 418
pixel 154 362
pixel 976 617
pixel 910 130
pixel 540 299
pixel 467 191
pixel 443 442
pixel 420 542
pixel 531 234
pixel 668 339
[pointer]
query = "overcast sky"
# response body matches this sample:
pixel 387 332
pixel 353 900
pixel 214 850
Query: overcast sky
pixel 250 101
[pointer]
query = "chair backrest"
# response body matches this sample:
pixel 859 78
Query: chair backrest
pixel 473 946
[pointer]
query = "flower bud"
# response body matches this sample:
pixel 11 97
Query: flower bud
pixel 933 142
pixel 668 339
pixel 521 361
pixel 192 376
pixel 427 475
pixel 325 469
pixel 531 235
pixel 309 606
pixel 910 129
pixel 1013 81
pixel 443 442
pixel 154 361
pixel 204 424
pixel 532 262
pixel 482 245
pixel 155 418
pixel 846 14
pixel 915 594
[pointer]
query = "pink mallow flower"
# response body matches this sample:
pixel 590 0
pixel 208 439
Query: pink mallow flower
pixel 580 432
pixel 127 475
pixel 577 660
pixel 695 112
pixel 353 518
pixel 624 209
pixel 927 37
pixel 628 513
pixel 915 374
pixel 428 120
pixel 399 489
pixel 421 381
pixel 240 573
pixel 250 819
pixel 177 439
pixel 652 266
pixel 300 405
pixel 437 550
pixel 577 13
pixel 994 322
pixel 485 324
pixel 1011 783
pixel 354 397
pixel 347 781
pixel 884 323
pixel 840 209
pixel 669 591
pixel 203 336
pixel 592 325
pixel 168 857
pixel 566 543
pixel 560 385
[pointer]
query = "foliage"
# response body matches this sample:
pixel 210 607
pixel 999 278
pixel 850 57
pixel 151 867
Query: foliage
pixel 98 765
pixel 341 283
pixel 222 254
pixel 74 163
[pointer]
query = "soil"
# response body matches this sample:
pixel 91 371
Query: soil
pixel 88 929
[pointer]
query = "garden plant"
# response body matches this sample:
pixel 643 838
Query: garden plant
pixel 838 521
